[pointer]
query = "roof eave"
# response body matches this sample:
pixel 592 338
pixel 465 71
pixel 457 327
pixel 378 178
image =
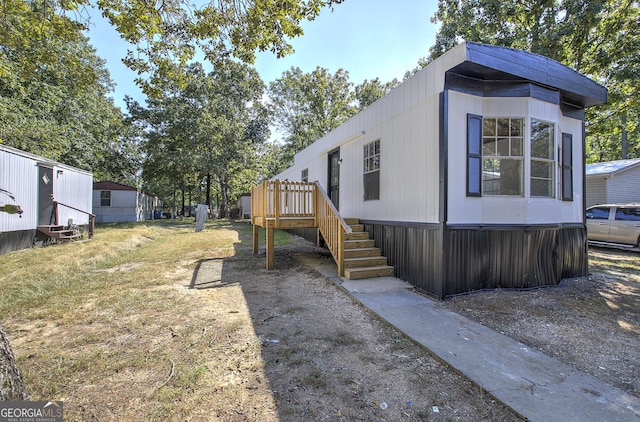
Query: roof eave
pixel 575 88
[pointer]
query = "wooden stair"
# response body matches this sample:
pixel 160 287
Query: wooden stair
pixel 58 232
pixel 361 258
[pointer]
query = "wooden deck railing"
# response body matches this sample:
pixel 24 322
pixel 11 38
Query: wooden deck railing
pixel 331 225
pixel 277 204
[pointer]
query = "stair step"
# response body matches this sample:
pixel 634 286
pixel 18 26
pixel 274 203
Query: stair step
pixel 357 227
pixel 356 244
pixel 368 272
pixel 369 261
pixel 68 237
pixel 50 227
pixel 361 252
pixel 351 221
pixel 356 236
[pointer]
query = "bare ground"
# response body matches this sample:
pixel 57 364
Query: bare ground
pixel 327 358
pixel 591 323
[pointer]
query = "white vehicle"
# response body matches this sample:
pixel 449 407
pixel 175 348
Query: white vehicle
pixel 615 224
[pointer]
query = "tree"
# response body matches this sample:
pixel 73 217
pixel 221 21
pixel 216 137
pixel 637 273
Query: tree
pixel 207 131
pixel 168 34
pixel 595 37
pixel 232 123
pixel 53 91
pixel 12 385
pixel 369 91
pixel 306 106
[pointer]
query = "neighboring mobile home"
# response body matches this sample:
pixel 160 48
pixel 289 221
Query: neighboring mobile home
pixel 470 174
pixel 41 199
pixel 114 203
pixel 613 182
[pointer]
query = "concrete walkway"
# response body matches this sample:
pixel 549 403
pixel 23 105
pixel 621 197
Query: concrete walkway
pixel 534 385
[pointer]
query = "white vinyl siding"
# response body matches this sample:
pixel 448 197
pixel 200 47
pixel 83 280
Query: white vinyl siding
pixel 407 122
pixel 125 205
pixel 596 190
pixel 19 177
pixel 73 188
pixel 623 187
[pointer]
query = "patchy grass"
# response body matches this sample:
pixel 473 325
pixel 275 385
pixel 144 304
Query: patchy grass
pixel 619 264
pixel 111 327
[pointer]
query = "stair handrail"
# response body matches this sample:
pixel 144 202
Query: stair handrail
pixel 331 225
pixel 92 217
pixel 269 202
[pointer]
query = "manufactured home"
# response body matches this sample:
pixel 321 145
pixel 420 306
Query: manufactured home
pixel 613 182
pixel 41 200
pixel 115 203
pixel 467 176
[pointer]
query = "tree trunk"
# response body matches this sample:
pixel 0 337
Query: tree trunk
pixel 183 213
pixel 11 384
pixel 175 203
pixel 625 142
pixel 208 190
pixel 223 198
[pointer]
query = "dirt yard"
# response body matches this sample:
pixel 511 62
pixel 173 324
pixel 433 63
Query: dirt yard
pixel 176 325
pixel 591 323
pixel 327 358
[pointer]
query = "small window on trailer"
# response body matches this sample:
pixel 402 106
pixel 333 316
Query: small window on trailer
pixel 305 175
pixel 567 167
pixel 543 159
pixel 105 198
pixel 371 178
pixel 502 156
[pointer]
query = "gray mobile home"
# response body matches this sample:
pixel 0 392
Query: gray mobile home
pixel 613 182
pixel 41 198
pixel 470 174
pixel 115 202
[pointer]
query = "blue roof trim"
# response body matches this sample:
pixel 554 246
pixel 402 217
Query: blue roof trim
pixel 611 167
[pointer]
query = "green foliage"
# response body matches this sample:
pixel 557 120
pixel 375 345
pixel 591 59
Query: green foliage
pixel 206 132
pixel 168 34
pixel 596 37
pixel 306 106
pixel 53 91
pixel 369 92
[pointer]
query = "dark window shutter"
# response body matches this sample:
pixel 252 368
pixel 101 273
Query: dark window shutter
pixel 474 155
pixel 372 185
pixel 567 167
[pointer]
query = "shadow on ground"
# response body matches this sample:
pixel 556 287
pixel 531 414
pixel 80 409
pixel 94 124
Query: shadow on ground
pixel 326 357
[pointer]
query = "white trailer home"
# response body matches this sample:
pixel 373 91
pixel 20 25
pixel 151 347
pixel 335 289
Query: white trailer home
pixel 41 199
pixel 470 174
pixel 115 202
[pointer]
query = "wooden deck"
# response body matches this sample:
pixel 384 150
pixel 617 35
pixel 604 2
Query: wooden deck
pixel 286 205
pixel 296 205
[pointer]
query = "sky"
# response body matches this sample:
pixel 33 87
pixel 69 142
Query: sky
pixel 368 38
